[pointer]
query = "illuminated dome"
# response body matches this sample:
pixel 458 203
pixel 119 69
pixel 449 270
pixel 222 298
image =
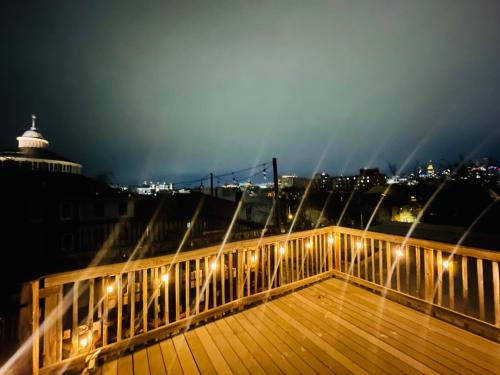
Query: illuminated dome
pixel 32 137
pixel 33 154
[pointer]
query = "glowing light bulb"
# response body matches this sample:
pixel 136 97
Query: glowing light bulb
pixel 253 259
pixel 308 244
pixel 83 342
pixel 446 264
pixel 399 253
pixel 164 278
pixel 290 216
pixel 282 250
pixel 330 239
pixel 214 265
pixel 359 245
pixel 110 289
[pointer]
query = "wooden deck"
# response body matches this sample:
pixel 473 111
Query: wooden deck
pixel 329 327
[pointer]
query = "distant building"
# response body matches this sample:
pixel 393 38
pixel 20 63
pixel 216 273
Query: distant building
pixel 292 181
pixel 33 154
pixel 322 182
pixel 366 179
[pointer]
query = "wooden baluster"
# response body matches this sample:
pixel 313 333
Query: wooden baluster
pixel 197 282
pixel 302 259
pixel 35 313
pixel 90 316
pixel 268 251
pixel 131 301
pixel 284 261
pixel 119 307
pixel 240 281
pixel 292 260
pixel 315 249
pixel 381 262
pixel 465 285
pixel 187 287
pixel 297 259
pixel 353 257
pixel 214 282
pixel 418 270
pixel 177 293
pixel 207 283
pixel 231 276
pixel 398 268
pixel 310 257
pixel 248 271
pixel 333 253
pixel 166 305
pixel 451 281
pixel 429 275
pixel 372 252
pixel 222 279
pixel 256 271
pixel 337 243
pixel 281 260
pixel 346 254
pixel 480 288
pixel 358 256
pixel 107 295
pixel 74 336
pixel 408 268
pixel 365 255
pixel 144 300
pixel 496 292
pixel 388 253
pixel 439 261
pixel 262 268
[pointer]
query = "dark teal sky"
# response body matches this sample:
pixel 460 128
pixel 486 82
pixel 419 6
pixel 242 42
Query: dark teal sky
pixel 184 88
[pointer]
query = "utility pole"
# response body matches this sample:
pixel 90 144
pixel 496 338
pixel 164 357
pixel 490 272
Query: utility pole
pixel 276 195
pixel 211 184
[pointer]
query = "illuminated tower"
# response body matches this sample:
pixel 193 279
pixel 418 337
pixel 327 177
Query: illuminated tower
pixel 430 169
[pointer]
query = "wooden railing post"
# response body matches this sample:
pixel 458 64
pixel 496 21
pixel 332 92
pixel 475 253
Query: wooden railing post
pixel 35 311
pixel 496 292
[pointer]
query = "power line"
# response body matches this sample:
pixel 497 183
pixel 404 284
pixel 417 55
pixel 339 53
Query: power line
pixel 220 177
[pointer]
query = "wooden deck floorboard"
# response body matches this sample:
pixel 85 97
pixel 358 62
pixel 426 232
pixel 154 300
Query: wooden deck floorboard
pixel 329 327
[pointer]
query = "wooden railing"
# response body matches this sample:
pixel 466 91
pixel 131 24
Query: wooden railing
pixel 114 307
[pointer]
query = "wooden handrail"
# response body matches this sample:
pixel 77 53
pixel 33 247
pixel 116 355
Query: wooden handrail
pixel 112 306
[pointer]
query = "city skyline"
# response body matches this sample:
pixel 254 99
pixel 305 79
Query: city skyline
pixel 180 89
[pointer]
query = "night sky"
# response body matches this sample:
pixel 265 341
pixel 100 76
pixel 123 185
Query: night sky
pixel 175 89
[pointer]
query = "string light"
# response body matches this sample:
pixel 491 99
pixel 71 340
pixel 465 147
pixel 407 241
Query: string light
pixel 253 259
pixel 446 264
pixel 359 245
pixel 214 265
pixel 399 253
pixel 164 278
pixel 308 244
pixel 330 239
pixel 110 289
pixel 282 250
pixel 83 342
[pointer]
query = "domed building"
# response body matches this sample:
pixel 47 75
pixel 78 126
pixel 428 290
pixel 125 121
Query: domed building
pixel 33 154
